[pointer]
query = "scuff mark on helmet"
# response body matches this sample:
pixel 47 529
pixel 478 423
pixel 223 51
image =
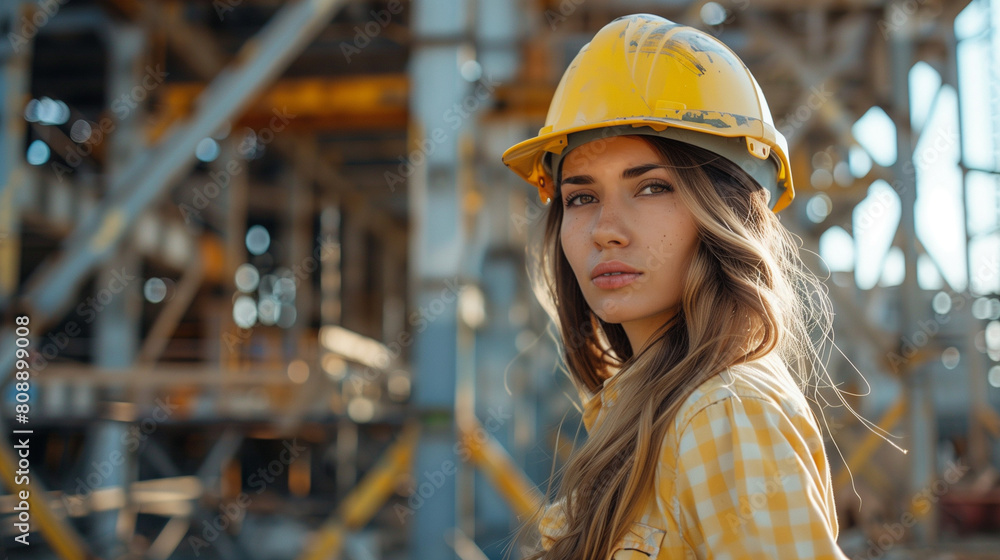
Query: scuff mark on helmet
pixel 717 119
pixel 699 44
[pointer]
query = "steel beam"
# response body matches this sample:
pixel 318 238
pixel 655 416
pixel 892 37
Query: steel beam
pixel 340 103
pixel 852 34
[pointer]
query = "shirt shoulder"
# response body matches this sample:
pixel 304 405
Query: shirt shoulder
pixel 760 399
pixel 748 436
pixel 766 378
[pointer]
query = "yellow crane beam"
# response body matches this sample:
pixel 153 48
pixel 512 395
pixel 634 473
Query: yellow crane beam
pixel 494 461
pixel 63 539
pixel 365 499
pixel 343 103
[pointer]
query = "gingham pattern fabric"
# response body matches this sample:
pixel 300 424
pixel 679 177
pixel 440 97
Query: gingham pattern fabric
pixel 742 474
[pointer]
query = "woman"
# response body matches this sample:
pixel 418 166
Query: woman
pixel 683 308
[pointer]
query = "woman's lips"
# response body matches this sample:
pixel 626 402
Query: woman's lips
pixel 612 275
pixel 615 280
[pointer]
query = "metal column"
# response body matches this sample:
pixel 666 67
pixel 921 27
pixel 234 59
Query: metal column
pixel 116 325
pixel 496 267
pixel 922 426
pixel 437 244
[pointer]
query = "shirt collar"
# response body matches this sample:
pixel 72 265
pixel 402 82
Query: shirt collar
pixel 596 407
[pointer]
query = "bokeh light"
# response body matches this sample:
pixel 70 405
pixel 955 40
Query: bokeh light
pixel 38 153
pixel 154 290
pixel 245 312
pixel 247 278
pixel 258 240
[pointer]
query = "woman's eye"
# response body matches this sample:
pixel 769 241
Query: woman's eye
pixel 655 188
pixel 578 199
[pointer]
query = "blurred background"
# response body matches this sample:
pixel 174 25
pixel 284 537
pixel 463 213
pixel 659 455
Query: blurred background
pixel 273 270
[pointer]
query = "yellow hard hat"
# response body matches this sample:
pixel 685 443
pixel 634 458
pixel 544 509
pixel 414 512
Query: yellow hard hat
pixel 643 74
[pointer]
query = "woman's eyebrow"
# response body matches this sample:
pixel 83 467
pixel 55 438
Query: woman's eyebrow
pixel 633 172
pixel 577 180
pixel 630 173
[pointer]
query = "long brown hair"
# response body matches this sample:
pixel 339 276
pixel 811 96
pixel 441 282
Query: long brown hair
pixel 746 293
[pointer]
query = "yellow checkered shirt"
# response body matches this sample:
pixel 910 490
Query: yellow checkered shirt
pixel 742 473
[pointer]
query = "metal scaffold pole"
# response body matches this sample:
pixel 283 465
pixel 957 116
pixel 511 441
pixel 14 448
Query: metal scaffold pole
pixel 915 375
pixel 437 243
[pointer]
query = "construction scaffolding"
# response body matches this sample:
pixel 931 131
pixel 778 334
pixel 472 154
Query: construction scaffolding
pixel 262 271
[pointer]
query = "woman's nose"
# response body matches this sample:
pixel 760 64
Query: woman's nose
pixel 610 229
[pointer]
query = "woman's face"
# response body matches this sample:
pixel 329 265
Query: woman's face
pixel 626 233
